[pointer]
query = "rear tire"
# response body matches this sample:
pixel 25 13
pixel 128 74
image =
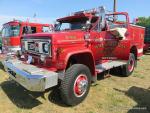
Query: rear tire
pixel 128 69
pixel 76 84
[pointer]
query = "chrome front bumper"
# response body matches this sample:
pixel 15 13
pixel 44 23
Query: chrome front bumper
pixel 14 48
pixel 29 76
pixel 11 49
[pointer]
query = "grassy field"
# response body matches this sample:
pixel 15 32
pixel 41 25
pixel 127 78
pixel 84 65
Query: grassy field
pixel 111 95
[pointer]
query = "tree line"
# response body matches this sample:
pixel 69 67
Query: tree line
pixel 143 21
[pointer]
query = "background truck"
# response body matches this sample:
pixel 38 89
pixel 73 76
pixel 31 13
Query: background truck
pixel 13 30
pixel 0 44
pixel 147 39
pixel 83 45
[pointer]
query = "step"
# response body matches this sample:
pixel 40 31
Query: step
pixel 109 65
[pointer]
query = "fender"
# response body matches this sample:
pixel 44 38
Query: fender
pixel 65 55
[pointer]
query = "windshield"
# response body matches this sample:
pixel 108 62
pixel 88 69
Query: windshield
pixel 10 31
pixel 71 23
pixel 69 26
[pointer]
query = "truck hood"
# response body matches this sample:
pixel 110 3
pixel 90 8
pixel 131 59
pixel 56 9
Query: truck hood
pixel 68 35
pixel 67 32
pixel 72 35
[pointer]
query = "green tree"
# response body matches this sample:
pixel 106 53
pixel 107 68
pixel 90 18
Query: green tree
pixel 143 21
pixel 0 40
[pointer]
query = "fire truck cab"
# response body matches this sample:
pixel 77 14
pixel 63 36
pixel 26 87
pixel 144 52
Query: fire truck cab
pixel 13 30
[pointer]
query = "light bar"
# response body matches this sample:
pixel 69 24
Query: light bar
pixel 93 11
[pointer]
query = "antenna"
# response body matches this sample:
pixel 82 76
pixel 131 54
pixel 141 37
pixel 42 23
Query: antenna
pixel 34 16
pixel 115 8
pixel 115 5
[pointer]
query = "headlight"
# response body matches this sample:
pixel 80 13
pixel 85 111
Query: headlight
pixel 42 58
pixel 45 47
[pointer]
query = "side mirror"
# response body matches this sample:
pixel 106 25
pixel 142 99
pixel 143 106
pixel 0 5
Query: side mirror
pixel 29 29
pixel 87 25
pixel 56 26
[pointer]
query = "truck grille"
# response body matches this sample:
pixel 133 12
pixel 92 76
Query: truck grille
pixel 37 46
pixel 31 46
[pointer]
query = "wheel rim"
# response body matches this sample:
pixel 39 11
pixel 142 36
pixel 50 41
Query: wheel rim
pixel 80 85
pixel 131 65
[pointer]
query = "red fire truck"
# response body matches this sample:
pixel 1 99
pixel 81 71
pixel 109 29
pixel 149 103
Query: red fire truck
pixel 13 30
pixel 84 44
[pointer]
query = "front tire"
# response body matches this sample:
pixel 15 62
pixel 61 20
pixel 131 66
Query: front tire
pixel 76 84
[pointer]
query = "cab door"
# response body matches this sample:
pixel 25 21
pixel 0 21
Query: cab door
pixel 117 40
pixel 106 45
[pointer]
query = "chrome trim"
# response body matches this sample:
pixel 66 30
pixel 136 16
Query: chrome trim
pixel 29 76
pixel 12 48
pixel 41 41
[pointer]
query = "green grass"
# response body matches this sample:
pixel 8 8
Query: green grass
pixel 138 76
pixel 112 95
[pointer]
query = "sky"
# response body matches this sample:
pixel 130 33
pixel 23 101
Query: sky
pixel 47 11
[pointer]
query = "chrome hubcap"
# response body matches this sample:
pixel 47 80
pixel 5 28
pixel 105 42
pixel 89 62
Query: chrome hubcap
pixel 80 85
pixel 131 65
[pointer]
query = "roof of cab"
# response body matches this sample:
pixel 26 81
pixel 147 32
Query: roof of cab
pixel 26 23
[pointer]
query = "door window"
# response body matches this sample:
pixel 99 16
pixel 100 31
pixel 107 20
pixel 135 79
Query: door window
pixel 46 29
pixel 114 21
pixel 29 30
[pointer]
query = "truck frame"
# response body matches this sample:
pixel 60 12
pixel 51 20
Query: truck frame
pixel 72 57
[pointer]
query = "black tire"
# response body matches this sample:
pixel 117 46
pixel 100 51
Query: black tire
pixel 125 69
pixel 68 84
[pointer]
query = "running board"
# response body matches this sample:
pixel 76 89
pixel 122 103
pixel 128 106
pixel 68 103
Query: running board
pixel 109 65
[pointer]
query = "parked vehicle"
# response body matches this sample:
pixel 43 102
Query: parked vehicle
pixel 84 44
pixel 13 30
pixel 147 39
pixel 0 44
